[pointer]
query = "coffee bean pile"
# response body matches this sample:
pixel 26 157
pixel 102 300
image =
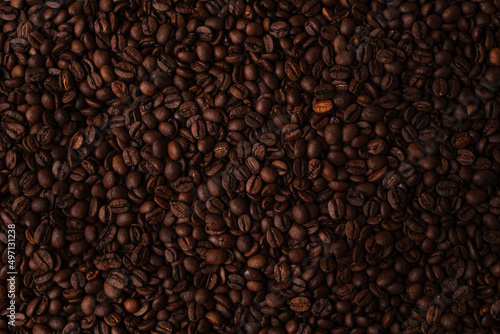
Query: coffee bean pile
pixel 259 166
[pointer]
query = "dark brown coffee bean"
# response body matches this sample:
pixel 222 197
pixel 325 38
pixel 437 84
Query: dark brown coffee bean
pixel 494 310
pixel 385 56
pixel 447 188
pixel 125 70
pixel 132 55
pixel 336 209
pixel 180 210
pixel 356 167
pixel 292 70
pixel 433 315
pixel 274 238
pixel 346 292
pixel 300 304
pixel 492 237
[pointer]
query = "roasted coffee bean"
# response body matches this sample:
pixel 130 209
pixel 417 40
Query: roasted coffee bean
pixel 433 316
pixel 336 209
pixel 125 70
pixel 179 209
pixel 447 188
pixel 494 310
pixel 346 292
pixel 300 304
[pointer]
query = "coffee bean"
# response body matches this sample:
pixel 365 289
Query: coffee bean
pixel 274 238
pixel 322 107
pixel 300 304
pixel 125 70
pixel 494 310
pixel 216 256
pixel 164 327
pixel 447 188
pixel 336 209
pixel 492 237
pixel 433 315
pixel 385 56
pixel 180 210
pixel 346 292
pixel 132 55
pixel 356 167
